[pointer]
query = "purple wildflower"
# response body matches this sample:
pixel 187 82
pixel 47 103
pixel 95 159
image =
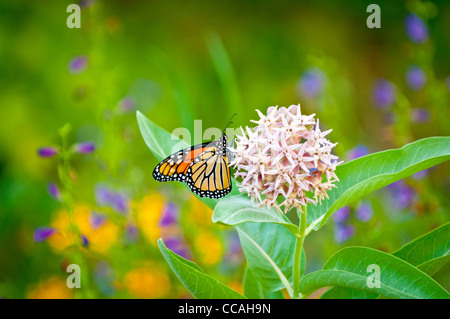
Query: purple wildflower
pixel 416 29
pixel 47 151
pixel 42 233
pixel 235 244
pixel 84 241
pixel 343 233
pixel 311 83
pixel 384 93
pixel 403 195
pixel 415 78
pixel 131 233
pixel 169 215
pixel 126 105
pixel 177 246
pixel 102 195
pixel 96 220
pixel 84 148
pixel 107 197
pixel 358 151
pixel 78 64
pixel 342 214
pixel 86 3
pixel 104 278
pixel 119 202
pixel 364 212
pixel 390 117
pixel 420 115
pixel 234 251
pixel 54 191
pixel 420 175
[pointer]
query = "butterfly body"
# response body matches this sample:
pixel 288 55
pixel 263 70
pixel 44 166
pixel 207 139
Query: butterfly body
pixel 203 167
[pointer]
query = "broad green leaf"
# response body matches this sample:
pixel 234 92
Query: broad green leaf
pixel 162 144
pixel 159 141
pixel 199 284
pixel 349 268
pixel 429 253
pixel 234 210
pixel 369 173
pixel 269 248
pixel 442 276
pixel 348 293
pixel 434 265
pixel 254 290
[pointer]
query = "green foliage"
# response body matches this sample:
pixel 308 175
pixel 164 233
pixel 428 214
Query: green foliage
pixel 369 173
pixel 357 179
pixel 349 268
pixel 235 210
pixel 428 253
pixel 177 63
pixel 199 284
pixel 159 141
pixel 268 238
pixel 254 290
pixel 265 246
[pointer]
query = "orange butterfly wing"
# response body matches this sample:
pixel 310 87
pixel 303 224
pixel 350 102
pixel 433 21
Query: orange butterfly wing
pixel 203 167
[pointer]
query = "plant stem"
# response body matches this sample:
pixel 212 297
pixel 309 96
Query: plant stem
pixel 298 255
pixel 76 254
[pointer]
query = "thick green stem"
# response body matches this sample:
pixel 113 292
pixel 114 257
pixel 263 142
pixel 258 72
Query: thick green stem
pixel 298 255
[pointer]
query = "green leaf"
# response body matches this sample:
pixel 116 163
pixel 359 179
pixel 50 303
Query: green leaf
pixel 269 250
pixel 225 72
pixel 348 293
pixel 442 276
pixel 254 290
pixel 434 265
pixel 199 284
pixel 234 210
pixel 349 268
pixel 369 173
pixel 162 144
pixel 429 253
pixel 165 66
pixel 158 140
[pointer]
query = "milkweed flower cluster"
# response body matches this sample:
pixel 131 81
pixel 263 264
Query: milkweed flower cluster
pixel 286 155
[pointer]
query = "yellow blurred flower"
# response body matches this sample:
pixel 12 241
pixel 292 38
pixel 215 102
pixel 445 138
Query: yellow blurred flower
pixel 236 286
pixel 208 248
pixel 52 288
pixel 100 238
pixel 200 212
pixel 147 282
pixel 148 213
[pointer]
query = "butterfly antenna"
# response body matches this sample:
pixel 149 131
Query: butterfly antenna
pixel 229 122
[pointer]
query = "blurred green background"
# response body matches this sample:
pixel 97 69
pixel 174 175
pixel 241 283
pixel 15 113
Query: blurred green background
pixel 177 62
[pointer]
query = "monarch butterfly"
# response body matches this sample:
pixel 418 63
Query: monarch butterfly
pixel 203 167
